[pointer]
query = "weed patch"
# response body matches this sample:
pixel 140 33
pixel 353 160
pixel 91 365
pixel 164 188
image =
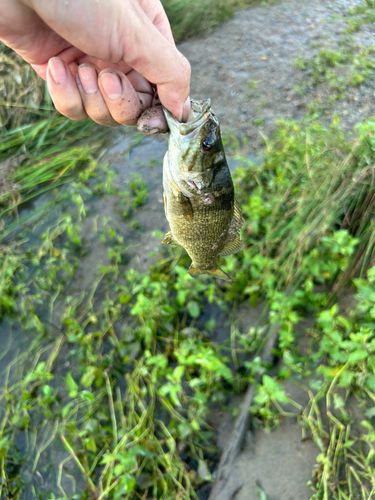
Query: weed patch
pixel 346 64
pixel 114 384
pixel 195 18
pixel 341 69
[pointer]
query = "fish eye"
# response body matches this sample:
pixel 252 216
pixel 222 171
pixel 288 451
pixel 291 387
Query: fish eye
pixel 208 143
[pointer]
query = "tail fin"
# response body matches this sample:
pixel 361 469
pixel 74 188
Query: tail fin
pixel 216 273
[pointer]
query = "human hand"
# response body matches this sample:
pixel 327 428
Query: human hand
pixel 99 58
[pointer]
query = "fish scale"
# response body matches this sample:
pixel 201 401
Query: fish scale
pixel 201 233
pixel 203 215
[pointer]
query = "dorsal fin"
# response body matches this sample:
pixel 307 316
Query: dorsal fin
pixel 237 215
pixel 233 243
pixel 233 246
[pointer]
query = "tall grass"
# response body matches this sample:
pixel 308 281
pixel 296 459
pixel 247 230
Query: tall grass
pixel 22 92
pixel 49 153
pixel 196 18
pixel 314 182
pixel 39 148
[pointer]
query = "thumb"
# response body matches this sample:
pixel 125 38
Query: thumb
pixel 160 62
pixel 152 53
pixel 166 67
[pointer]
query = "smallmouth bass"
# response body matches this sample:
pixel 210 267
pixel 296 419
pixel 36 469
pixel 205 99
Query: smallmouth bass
pixel 203 214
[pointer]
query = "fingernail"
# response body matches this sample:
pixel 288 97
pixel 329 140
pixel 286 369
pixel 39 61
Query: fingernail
pixel 88 78
pixel 58 70
pixel 185 111
pixel 111 84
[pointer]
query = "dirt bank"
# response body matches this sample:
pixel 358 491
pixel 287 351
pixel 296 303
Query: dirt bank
pixel 247 67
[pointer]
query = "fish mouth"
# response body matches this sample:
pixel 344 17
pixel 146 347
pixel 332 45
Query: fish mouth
pixel 199 114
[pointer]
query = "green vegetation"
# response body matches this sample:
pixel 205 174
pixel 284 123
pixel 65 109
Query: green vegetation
pixel 135 196
pixel 18 107
pixel 341 68
pixel 40 150
pixel 309 224
pixel 343 63
pixel 41 156
pixel 195 18
pixel 108 374
pixel 113 385
pixel 118 408
pixel 360 15
pixel 306 170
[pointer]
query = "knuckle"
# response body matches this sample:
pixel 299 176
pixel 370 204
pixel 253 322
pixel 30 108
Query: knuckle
pixel 185 69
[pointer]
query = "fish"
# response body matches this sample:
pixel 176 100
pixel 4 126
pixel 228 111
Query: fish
pixel 199 202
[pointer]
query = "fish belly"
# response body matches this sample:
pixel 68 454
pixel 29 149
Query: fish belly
pixel 200 230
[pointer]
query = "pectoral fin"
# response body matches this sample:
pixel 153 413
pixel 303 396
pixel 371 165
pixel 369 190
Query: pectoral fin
pixel 216 273
pixel 233 246
pixel 185 205
pixel 169 239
